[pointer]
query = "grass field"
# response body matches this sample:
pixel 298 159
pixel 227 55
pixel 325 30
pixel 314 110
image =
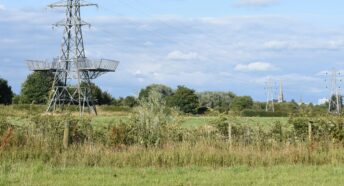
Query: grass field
pixel 39 174
pixel 194 121
pixel 187 155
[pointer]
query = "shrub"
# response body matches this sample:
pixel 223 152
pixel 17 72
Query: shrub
pixel 150 120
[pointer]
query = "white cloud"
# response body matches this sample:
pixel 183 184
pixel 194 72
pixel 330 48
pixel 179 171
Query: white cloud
pixel 181 56
pixel 256 66
pixel 145 54
pixel 256 2
pixel 2 7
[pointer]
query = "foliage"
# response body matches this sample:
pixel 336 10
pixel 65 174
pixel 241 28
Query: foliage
pixel 323 128
pixel 130 101
pixel 164 90
pixel 101 98
pixel 151 119
pixel 36 88
pixel 242 102
pixel 153 136
pixel 6 93
pixel 216 100
pixel 185 99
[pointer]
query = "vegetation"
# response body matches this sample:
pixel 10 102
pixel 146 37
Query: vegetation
pixel 241 103
pixel 101 98
pixel 164 90
pixel 152 147
pixel 36 88
pixel 154 135
pixel 216 100
pixel 37 172
pixel 185 99
pixel 6 93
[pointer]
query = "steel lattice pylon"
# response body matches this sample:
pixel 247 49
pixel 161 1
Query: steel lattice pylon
pixel 72 65
pixel 270 95
pixel 335 99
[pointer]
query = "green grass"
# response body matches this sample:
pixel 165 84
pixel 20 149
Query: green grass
pixel 18 116
pixel 203 120
pixel 192 121
pixel 40 174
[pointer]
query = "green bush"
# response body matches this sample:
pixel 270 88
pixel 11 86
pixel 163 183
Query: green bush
pixel 323 128
pixel 151 119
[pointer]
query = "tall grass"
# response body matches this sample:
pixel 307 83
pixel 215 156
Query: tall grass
pixel 153 136
pixel 202 153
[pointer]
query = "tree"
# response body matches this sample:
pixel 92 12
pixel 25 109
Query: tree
pixel 185 99
pixel 130 101
pixel 101 98
pixel 106 98
pixel 242 102
pixel 117 102
pixel 164 90
pixel 6 93
pixel 36 88
pixel 216 100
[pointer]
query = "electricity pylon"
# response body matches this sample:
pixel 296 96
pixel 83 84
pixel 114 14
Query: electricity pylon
pixel 270 95
pixel 335 99
pixel 72 66
pixel 281 93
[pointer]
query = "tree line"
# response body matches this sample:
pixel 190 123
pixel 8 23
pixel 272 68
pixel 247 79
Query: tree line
pixel 35 90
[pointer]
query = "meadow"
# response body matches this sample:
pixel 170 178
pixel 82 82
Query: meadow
pixel 153 145
pixel 40 174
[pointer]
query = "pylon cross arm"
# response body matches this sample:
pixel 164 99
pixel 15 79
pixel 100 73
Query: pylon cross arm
pixel 64 3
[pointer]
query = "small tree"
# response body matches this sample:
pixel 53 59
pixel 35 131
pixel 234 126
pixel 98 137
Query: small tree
pixel 106 98
pixel 150 120
pixel 185 99
pixel 101 98
pixel 6 93
pixel 164 91
pixel 216 100
pixel 242 102
pixel 130 101
pixel 36 88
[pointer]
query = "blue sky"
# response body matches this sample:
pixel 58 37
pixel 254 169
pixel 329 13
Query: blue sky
pixel 220 45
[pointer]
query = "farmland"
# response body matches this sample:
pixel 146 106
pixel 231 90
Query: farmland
pixel 121 148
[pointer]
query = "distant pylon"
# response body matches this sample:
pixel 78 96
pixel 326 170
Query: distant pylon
pixel 334 100
pixel 281 93
pixel 270 95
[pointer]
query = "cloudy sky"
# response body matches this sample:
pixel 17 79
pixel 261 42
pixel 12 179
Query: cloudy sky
pixel 219 45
